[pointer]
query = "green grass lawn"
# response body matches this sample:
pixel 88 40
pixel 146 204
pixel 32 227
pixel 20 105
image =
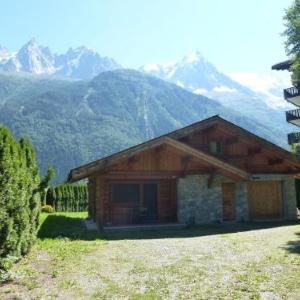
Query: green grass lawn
pixel 243 261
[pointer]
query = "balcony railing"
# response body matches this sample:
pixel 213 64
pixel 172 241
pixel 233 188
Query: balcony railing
pixel 294 138
pixel 291 92
pixel 292 114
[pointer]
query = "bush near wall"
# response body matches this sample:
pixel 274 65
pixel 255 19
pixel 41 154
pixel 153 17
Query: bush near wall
pixel 19 197
pixel 68 197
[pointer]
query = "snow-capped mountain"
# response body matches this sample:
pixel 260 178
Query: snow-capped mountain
pixel 268 86
pixel 79 63
pixel 83 63
pixel 4 54
pixel 194 73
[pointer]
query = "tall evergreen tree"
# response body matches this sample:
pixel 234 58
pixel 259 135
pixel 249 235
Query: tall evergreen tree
pixel 45 183
pixel 19 196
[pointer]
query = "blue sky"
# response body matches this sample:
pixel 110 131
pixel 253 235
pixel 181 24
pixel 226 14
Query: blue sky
pixel 236 35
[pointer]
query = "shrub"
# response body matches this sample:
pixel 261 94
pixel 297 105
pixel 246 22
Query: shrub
pixel 68 197
pixel 48 209
pixel 19 197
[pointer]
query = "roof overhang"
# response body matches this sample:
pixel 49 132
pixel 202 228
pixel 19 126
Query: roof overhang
pixel 172 138
pixel 104 164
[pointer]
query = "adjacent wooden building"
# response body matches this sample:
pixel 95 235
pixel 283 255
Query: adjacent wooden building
pixel 209 171
pixel 291 95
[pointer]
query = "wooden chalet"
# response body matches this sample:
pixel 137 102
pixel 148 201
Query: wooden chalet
pixel 209 171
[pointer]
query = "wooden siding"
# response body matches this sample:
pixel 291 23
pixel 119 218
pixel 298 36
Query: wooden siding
pixel 228 191
pixel 127 212
pixel 153 160
pixel 242 151
pixel 265 199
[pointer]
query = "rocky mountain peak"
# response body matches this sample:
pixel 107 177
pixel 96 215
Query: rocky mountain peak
pixel 76 63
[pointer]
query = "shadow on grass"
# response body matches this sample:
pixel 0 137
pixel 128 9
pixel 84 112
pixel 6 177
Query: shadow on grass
pixel 62 226
pixel 294 246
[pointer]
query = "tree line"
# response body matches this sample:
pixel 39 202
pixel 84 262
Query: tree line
pixel 67 197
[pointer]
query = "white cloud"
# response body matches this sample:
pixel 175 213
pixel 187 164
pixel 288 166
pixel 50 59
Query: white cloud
pixel 200 91
pixel 224 89
pixel 262 82
pixel 268 85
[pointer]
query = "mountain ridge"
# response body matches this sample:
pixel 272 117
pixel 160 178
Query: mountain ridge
pixel 77 63
pixel 194 73
pixel 73 122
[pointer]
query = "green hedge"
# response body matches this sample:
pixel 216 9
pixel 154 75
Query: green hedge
pixel 68 197
pixel 19 197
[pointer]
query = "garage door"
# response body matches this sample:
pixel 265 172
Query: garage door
pixel 265 199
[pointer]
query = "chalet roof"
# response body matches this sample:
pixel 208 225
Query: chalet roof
pixel 284 65
pixel 171 139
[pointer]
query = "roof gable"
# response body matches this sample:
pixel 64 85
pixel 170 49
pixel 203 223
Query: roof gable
pixel 173 139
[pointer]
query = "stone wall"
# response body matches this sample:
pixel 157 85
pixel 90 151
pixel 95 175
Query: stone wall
pixel 197 203
pixel 289 198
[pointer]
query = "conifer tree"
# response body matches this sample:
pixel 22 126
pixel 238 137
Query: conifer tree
pixel 19 196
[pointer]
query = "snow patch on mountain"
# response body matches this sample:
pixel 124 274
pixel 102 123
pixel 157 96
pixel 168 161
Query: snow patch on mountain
pixel 200 92
pixel 78 63
pixel 257 96
pixel 224 89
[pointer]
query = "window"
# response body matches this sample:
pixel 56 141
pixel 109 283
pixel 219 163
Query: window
pixel 125 192
pixel 215 147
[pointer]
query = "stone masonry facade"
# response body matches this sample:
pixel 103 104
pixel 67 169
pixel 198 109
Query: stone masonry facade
pixel 198 203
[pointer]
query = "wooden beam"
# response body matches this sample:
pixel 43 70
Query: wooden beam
pixel 207 158
pixel 249 139
pixel 140 175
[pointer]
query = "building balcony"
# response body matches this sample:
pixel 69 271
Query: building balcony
pixel 293 116
pixel 292 95
pixel 294 138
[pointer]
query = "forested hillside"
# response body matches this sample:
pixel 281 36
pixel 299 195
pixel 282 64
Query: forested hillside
pixel 73 122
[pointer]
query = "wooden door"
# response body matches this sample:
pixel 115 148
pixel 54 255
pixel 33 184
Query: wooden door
pixel 228 190
pixel 265 199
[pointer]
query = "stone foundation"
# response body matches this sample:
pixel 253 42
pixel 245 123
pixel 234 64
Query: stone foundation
pixel 197 203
